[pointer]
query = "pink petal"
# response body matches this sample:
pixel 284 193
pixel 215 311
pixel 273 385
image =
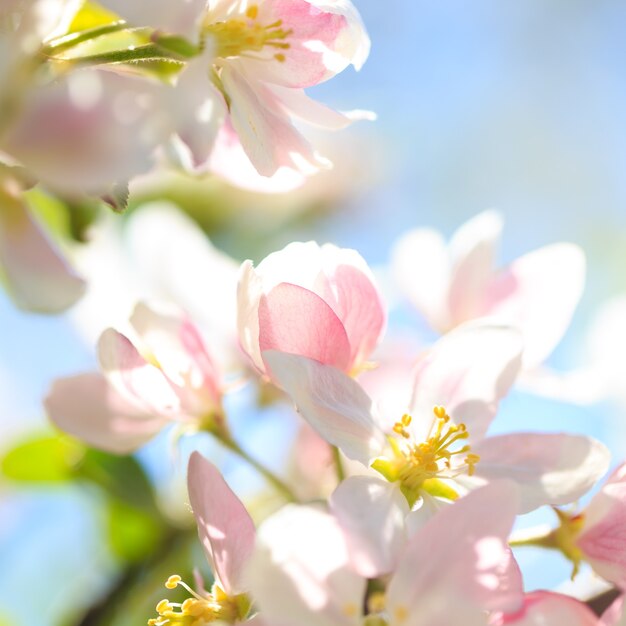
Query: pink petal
pixel 331 402
pixel 538 293
pixel 326 37
pixel 87 407
pixel 297 321
pixel 550 469
pixel 603 540
pixel 175 342
pixel 358 304
pixel 225 528
pixel 267 135
pixel 38 278
pixel 371 513
pixel 461 554
pixel 300 572
pixel 468 372
pixel 133 377
pixel 472 250
pixel 543 608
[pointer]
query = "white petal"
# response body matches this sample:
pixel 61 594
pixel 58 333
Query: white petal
pixel 300 572
pixel 550 468
pixel 468 372
pixel 371 513
pixel 333 404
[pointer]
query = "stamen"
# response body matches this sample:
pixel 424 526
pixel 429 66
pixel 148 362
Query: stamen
pixel 417 463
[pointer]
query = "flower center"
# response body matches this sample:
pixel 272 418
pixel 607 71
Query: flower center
pixel 238 36
pixel 201 609
pixel 418 466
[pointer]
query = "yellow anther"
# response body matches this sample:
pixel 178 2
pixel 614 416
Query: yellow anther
pixel 376 602
pixel 163 607
pixel 401 613
pixel 351 610
pixel 440 412
pixel 280 57
pixel 252 12
pixel 172 581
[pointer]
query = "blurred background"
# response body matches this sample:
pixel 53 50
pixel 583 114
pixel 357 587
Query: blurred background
pixel 483 104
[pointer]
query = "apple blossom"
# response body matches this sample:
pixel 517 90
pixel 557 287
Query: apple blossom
pixel 172 380
pixel 227 535
pixel 246 88
pixel 443 453
pixel 538 292
pixel 453 570
pixel 320 302
pixel 597 534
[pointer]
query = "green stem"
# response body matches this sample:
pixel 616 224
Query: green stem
pixel 544 539
pixel 277 483
pixel 339 468
pixel 149 52
pixel 73 39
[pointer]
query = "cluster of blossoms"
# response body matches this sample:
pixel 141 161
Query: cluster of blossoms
pixel 211 87
pixel 416 529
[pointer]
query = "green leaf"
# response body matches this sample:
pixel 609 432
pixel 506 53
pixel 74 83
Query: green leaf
pixel 178 45
pixel 133 534
pixel 91 15
pixel 122 477
pixel 43 459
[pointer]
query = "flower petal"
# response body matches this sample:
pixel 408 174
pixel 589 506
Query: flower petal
pixel 87 407
pixel 538 293
pixel 421 268
pixel 225 528
pixel 548 468
pixel 544 608
pixel 603 539
pixel 371 513
pixel 300 572
pixel 463 554
pixel 38 278
pixel 472 251
pixel 468 372
pixel 133 377
pixel 333 404
pixel 294 320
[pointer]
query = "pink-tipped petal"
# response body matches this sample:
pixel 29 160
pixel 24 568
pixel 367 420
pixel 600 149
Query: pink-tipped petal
pixel 87 407
pixel 548 468
pixel 359 306
pixel 267 136
pixel 132 376
pixel 539 293
pixel 300 572
pixel 473 251
pixel 543 608
pixel 603 540
pixel 294 320
pixel 371 513
pixel 38 277
pixel 461 554
pixel 225 528
pixel 468 372
pixel 334 404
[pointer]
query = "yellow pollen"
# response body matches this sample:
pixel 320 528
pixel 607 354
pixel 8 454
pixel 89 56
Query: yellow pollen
pixel 401 613
pixel 173 581
pixel 200 609
pixel 416 463
pixel 376 602
pixel 351 610
pixel 242 36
